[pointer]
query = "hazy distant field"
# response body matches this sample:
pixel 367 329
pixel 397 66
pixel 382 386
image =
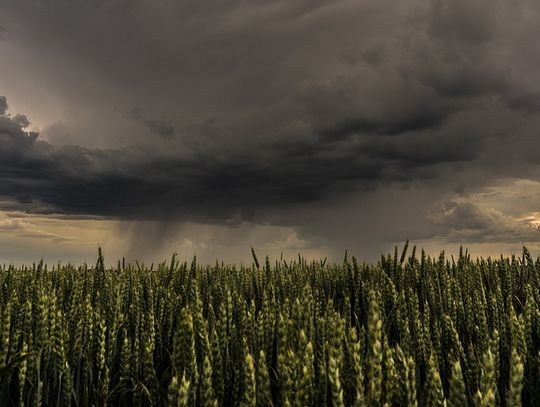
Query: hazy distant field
pixel 408 331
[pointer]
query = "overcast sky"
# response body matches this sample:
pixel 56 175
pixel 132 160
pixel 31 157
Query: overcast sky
pixel 208 127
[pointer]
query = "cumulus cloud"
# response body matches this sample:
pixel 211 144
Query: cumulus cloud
pixel 464 221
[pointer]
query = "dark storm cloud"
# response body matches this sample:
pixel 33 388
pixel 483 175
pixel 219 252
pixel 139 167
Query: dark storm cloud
pixel 21 120
pixel 273 103
pixel 203 187
pixel 525 101
pixel 161 127
pixel 3 105
pixel 423 120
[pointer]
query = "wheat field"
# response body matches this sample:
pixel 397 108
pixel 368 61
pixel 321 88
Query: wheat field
pixel 410 330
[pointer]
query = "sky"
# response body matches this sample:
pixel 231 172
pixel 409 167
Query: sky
pixel 291 126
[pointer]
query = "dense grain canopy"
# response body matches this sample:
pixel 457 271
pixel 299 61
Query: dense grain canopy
pixel 408 331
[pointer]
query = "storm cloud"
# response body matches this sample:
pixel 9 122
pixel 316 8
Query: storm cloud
pixel 229 112
pixel 162 126
pixel 130 184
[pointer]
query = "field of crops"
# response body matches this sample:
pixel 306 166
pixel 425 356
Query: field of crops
pixel 408 331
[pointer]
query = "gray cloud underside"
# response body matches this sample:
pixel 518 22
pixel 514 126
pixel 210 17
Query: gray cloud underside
pixel 162 126
pixel 130 184
pixel 275 104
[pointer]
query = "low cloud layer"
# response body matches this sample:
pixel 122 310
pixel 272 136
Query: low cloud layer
pixel 129 184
